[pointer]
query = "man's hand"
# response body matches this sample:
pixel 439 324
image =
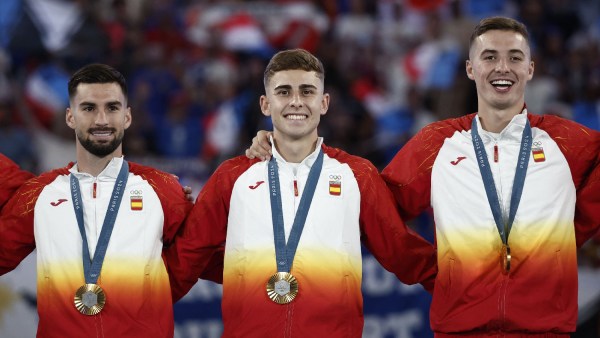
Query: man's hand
pixel 260 148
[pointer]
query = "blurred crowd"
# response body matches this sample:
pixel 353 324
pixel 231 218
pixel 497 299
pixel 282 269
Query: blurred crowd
pixel 195 69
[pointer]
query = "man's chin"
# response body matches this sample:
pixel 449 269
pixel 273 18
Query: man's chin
pixel 101 149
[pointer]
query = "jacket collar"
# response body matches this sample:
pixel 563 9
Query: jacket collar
pixel 306 163
pixel 111 170
pixel 512 132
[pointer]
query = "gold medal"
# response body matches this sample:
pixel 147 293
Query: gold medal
pixel 505 258
pixel 90 299
pixel 282 287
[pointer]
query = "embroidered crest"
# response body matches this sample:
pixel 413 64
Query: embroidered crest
pixel 335 184
pixel 136 200
pixel 538 152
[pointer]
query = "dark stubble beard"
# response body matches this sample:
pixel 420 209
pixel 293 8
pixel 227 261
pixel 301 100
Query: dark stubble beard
pixel 100 149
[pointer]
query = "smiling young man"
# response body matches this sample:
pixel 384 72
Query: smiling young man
pixel 99 226
pixel 291 228
pixel 513 195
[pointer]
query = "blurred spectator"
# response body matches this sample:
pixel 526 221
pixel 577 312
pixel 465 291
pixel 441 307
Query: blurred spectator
pixel 15 140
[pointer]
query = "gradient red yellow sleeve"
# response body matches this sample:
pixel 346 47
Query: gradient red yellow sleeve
pixel 176 208
pixel 199 247
pixel 397 248
pixel 16 222
pixel 581 147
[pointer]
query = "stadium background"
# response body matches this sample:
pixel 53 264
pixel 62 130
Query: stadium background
pixel 195 74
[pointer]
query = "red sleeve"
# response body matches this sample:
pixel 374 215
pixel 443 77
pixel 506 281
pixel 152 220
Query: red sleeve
pixel 581 147
pixel 16 222
pixel 408 175
pixel 587 209
pixel 11 178
pixel 199 247
pixel 397 248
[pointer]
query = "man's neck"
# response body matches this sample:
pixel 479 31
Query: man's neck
pixel 294 151
pixel 92 164
pixel 496 120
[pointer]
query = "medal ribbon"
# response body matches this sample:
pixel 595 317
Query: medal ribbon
pixel 91 268
pixel 488 178
pixel 284 254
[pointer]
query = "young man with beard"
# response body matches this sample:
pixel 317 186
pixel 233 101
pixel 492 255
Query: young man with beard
pixel 513 195
pixel 291 229
pixel 100 226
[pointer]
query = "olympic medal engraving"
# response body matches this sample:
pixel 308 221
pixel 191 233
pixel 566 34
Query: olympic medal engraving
pixel 282 287
pixel 90 299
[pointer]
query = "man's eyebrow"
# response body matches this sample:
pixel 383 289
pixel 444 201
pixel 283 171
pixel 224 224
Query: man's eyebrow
pixel 494 51
pixel 302 86
pixel 308 86
pixel 288 87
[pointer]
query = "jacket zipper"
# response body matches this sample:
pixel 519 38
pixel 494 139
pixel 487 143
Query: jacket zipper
pixel 295 187
pixel 496 155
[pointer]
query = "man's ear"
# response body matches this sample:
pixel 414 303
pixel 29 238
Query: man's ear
pixel 325 103
pixel 128 117
pixel 264 105
pixel 70 119
pixel 469 69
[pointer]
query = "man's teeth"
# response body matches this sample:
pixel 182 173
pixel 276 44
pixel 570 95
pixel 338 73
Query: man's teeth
pixel 502 83
pixel 296 117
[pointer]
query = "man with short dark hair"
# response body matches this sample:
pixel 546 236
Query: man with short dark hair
pixel 513 196
pixel 291 228
pixel 100 226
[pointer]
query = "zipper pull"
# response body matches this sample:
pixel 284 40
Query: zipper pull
pixel 94 190
pixel 496 153
pixel 295 188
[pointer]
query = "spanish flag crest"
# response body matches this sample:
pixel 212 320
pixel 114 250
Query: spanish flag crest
pixel 137 203
pixel 335 184
pixel 538 154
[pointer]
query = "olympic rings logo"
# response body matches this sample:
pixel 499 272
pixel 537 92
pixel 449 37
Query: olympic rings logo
pixel 136 192
pixel 537 144
pixel 335 177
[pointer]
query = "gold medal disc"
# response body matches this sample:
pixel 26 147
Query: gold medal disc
pixel 282 287
pixel 505 257
pixel 90 299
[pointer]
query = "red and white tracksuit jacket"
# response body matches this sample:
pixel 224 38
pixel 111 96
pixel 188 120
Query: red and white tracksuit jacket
pixel 559 209
pixel 134 276
pixel 351 203
pixel 11 178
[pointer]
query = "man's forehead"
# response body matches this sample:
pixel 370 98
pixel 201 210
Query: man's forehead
pixel 99 91
pixel 295 78
pixel 500 40
pixel 500 37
